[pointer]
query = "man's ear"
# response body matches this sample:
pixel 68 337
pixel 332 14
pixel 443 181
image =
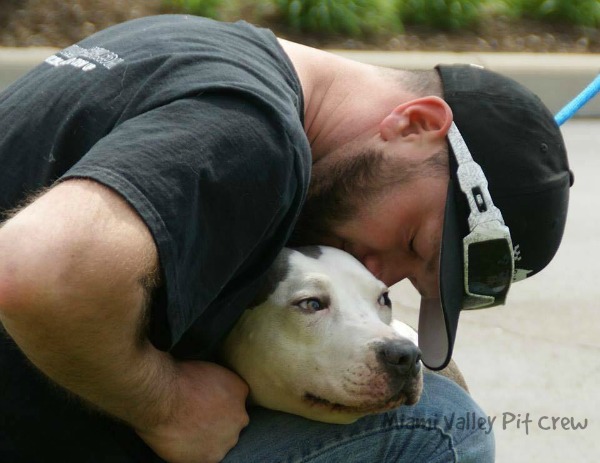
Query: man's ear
pixel 428 117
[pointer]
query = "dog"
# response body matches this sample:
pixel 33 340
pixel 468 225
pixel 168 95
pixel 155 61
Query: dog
pixel 320 341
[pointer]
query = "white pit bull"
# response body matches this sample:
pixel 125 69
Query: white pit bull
pixel 321 342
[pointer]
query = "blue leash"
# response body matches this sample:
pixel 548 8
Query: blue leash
pixel 576 103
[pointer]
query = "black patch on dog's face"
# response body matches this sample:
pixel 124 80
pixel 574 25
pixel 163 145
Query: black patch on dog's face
pixel 310 251
pixel 276 274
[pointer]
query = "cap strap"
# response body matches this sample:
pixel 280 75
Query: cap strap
pixel 473 183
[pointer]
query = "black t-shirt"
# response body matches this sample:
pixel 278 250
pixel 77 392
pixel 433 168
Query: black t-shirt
pixel 199 126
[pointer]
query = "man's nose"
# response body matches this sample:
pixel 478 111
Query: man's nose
pixel 390 268
pixel 426 282
pixel 424 275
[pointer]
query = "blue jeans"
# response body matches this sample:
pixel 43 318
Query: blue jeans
pixel 40 423
pixel 443 427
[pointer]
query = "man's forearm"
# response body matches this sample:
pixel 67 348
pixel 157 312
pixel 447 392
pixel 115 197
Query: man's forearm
pixel 135 383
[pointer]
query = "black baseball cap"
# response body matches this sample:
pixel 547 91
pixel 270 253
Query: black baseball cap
pixel 514 138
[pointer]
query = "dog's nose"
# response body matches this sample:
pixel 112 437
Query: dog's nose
pixel 400 355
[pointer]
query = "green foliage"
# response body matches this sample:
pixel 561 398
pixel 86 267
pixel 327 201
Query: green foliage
pixel 442 14
pixel 579 12
pixel 371 18
pixel 354 18
pixel 208 8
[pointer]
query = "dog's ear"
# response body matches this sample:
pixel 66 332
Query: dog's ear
pixel 277 273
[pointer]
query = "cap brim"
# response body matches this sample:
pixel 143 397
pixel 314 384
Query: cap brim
pixel 438 318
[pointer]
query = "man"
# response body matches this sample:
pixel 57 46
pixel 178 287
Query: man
pixel 171 157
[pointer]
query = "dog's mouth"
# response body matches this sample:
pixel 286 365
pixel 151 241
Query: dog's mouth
pixel 366 408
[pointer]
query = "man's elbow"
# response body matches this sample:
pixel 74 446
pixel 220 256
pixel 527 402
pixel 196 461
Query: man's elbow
pixel 78 253
pixel 21 288
pixel 37 270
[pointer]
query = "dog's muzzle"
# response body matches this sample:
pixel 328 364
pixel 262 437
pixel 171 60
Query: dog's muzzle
pixel 401 361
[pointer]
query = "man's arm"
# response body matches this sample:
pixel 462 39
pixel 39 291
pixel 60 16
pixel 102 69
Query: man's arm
pixel 73 270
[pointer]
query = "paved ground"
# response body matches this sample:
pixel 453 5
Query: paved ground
pixel 539 356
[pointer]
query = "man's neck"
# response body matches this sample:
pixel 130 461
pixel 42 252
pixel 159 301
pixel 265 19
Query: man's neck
pixel 344 101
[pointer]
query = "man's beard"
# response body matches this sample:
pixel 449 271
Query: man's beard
pixel 339 189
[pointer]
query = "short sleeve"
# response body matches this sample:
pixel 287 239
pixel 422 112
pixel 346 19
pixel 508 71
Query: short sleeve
pixel 219 183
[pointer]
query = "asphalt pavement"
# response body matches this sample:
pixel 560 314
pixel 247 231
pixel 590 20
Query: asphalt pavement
pixel 533 365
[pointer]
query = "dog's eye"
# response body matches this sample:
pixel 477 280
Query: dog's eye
pixel 312 304
pixel 384 299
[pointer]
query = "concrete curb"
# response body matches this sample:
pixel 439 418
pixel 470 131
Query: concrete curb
pixel 556 78
pixel 15 62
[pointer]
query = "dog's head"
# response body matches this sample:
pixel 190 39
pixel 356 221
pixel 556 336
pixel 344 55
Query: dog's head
pixel 320 344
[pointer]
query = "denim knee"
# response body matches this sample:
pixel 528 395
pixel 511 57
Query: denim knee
pixel 445 426
pixel 465 431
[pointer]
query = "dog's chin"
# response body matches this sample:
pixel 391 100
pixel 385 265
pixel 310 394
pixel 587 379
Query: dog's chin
pixel 408 396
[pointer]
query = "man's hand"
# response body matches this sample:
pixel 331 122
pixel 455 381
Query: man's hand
pixel 206 420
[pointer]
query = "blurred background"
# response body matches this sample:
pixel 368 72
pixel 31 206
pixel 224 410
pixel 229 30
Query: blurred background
pixel 458 25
